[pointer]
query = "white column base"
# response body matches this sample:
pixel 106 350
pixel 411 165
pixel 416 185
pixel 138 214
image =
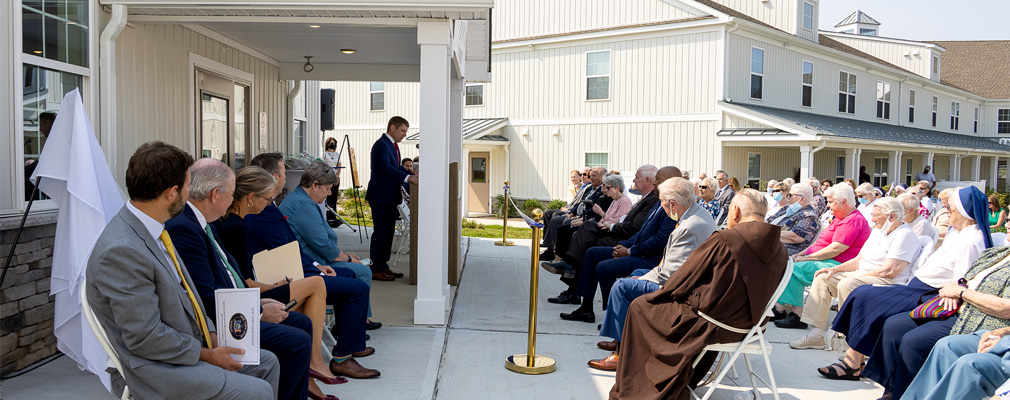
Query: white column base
pixel 446 294
pixel 430 311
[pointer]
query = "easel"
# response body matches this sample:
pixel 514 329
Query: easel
pixel 17 236
pixel 355 185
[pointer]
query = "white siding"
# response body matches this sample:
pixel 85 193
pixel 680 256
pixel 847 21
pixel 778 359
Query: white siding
pixel 512 19
pixel 153 98
pixel 781 14
pixel 776 162
pixel 734 122
pixel 8 110
pixel 893 53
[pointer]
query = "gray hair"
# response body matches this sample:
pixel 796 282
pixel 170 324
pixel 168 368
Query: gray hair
pixel 789 181
pixel 711 182
pixel 804 191
pixel 208 174
pixel 648 172
pixel 915 191
pixel 815 185
pixel 908 201
pixel 895 206
pixel 615 180
pixel 721 172
pixel 751 203
pixel 865 188
pixel 318 172
pixel 771 184
pixel 841 192
pixel 677 189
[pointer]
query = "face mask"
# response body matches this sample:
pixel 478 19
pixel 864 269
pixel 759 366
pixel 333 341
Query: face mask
pixel 673 214
pixel 887 225
pixel 793 208
pixel 862 201
pixel 777 196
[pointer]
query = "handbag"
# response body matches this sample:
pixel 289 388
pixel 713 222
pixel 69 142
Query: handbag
pixel 933 309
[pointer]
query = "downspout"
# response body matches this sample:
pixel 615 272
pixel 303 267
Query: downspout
pixel 725 60
pixel 107 86
pixel 291 115
pixel 824 143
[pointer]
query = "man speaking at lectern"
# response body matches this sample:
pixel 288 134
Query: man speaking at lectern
pixel 383 195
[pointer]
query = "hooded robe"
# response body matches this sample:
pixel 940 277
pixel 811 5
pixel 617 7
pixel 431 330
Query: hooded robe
pixel 731 277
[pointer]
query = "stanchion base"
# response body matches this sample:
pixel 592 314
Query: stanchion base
pixel 541 364
pixel 501 243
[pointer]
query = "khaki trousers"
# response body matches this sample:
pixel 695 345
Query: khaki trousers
pixel 818 304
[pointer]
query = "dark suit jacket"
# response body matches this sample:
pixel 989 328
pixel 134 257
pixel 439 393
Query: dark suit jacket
pixel 597 197
pixel 649 242
pixel 636 217
pixel 194 247
pixel 387 175
pixel 270 230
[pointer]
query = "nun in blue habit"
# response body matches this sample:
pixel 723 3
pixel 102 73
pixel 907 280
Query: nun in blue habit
pixel 862 317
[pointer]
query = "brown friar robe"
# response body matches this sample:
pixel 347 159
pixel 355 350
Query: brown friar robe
pixel 731 277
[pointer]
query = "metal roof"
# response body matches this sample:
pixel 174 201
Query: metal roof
pixel 858 17
pixel 478 129
pixel 859 129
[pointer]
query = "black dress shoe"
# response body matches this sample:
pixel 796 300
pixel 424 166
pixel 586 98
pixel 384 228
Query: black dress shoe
pixel 547 255
pixel 565 298
pixel 335 223
pixel 777 315
pixel 367 336
pixel 791 321
pixel 579 316
pixel 370 326
pixel 558 268
pixel 543 244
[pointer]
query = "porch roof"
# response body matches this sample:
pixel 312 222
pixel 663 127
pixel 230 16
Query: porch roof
pixel 821 127
pixel 477 129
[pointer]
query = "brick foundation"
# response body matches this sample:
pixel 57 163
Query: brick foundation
pixel 26 308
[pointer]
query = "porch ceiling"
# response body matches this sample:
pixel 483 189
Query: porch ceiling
pixel 291 42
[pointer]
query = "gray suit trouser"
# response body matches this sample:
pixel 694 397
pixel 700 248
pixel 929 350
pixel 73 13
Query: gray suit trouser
pixel 252 382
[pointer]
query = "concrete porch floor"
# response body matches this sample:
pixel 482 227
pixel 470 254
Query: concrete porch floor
pixel 465 360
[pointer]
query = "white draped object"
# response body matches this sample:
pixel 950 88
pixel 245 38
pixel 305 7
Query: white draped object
pixel 76 176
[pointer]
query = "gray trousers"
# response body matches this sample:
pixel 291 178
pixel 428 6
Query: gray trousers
pixel 253 382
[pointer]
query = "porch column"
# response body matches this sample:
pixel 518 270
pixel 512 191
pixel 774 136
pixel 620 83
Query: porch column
pixel 457 87
pixel 955 167
pixel 852 163
pixel 976 168
pixel 993 174
pixel 432 254
pixel 806 163
pixel 929 161
pixel 895 167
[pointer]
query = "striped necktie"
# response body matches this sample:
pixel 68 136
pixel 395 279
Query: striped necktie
pixel 200 320
pixel 224 259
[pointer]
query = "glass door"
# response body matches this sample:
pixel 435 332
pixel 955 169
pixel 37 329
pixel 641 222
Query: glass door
pixel 222 127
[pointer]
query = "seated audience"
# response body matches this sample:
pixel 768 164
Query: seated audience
pixel 604 206
pixel 996 214
pixel 850 182
pixel 918 193
pixel 779 192
pixel 613 186
pixel 912 217
pixel 735 184
pixel 666 330
pixel 593 192
pixel 866 194
pixel 706 197
pixel 576 177
pixel 897 188
pixel 695 226
pixel 695 182
pixel 724 195
pixel 573 202
pixel 798 220
pixel 941 218
pixel 927 201
pixel 825 185
pixel 287 335
pixel 254 188
pixel 964 366
pixel 839 242
pixel 768 195
pixel 148 304
pixel 862 316
pixel 884 259
pixel 820 205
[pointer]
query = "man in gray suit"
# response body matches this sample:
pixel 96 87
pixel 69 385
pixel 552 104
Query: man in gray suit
pixel 725 194
pixel 694 226
pixel 144 297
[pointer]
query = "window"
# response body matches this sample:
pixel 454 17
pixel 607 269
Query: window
pixel 908 171
pixel 299 136
pixel 955 115
pixel 43 93
pixel 56 31
pixel 883 100
pixel 935 102
pixel 1003 120
pixel 974 127
pixel 806 98
pixel 880 171
pixel 911 106
pixel 936 65
pixel 377 96
pixel 757 70
pixel 839 169
pixel 598 75
pixel 478 170
pixel 753 170
pixel 867 32
pixel 846 92
pixel 808 16
pixel 475 94
pixel 597 159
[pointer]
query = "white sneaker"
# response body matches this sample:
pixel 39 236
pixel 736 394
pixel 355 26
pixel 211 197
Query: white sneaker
pixel 808 342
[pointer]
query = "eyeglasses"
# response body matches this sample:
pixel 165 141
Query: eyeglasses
pixel 585 174
pixel 702 187
pixel 268 199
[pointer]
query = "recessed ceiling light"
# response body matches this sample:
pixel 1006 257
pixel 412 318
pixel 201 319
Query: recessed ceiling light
pixel 347 51
pixel 313 26
pixel 37 51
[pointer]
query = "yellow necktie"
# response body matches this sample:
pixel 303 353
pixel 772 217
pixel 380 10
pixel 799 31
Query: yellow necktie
pixel 200 320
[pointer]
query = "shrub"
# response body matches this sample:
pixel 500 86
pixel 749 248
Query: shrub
pixel 471 224
pixel 496 207
pixel 556 204
pixel 531 204
pixel 349 193
pixel 356 208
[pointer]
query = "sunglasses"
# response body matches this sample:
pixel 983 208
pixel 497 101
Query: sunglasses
pixel 777 191
pixel 702 187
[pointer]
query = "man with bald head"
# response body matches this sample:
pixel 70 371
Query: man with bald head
pixel 730 278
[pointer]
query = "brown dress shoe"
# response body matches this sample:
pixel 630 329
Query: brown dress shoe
pixel 608 345
pixel 350 368
pixel 390 273
pixel 394 273
pixel 381 276
pixel 606 364
pixel 364 353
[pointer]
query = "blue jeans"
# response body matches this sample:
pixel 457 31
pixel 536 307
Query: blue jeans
pixel 955 370
pixel 601 268
pixel 625 291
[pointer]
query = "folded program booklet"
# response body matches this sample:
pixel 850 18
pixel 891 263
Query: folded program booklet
pixel 238 322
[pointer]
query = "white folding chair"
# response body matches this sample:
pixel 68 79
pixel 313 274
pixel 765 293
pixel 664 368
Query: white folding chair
pixel 753 343
pixel 926 250
pixel 999 239
pixel 103 339
pixel 402 229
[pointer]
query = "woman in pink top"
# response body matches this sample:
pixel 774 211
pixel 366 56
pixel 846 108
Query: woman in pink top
pixel 613 186
pixel 839 242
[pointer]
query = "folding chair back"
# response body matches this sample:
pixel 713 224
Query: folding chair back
pixel 402 229
pixel 103 339
pixel 926 250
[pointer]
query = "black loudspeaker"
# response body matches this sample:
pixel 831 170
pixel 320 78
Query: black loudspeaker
pixel 326 114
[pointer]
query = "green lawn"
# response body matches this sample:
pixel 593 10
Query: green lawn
pixel 470 228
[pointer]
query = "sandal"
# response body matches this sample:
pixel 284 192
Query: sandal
pixel 847 373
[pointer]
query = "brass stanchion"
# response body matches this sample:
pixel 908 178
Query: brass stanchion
pixel 506 206
pixel 532 363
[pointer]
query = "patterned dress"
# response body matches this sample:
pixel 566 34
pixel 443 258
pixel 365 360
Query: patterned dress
pixel 711 206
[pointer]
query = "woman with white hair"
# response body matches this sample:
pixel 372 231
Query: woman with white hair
pixel 941 220
pixel 706 197
pixel 817 201
pixel 919 194
pixel 912 218
pixel 866 194
pixel 613 186
pixel 798 219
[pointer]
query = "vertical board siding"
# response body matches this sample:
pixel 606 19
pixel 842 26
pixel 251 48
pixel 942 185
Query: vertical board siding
pixel 153 97
pixel 781 14
pixel 776 162
pixel 524 18
pixel 893 53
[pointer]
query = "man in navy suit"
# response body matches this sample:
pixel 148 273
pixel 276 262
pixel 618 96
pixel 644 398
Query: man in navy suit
pixel 287 335
pixel 383 195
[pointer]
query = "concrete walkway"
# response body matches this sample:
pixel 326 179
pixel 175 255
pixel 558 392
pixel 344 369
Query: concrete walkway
pixel 465 360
